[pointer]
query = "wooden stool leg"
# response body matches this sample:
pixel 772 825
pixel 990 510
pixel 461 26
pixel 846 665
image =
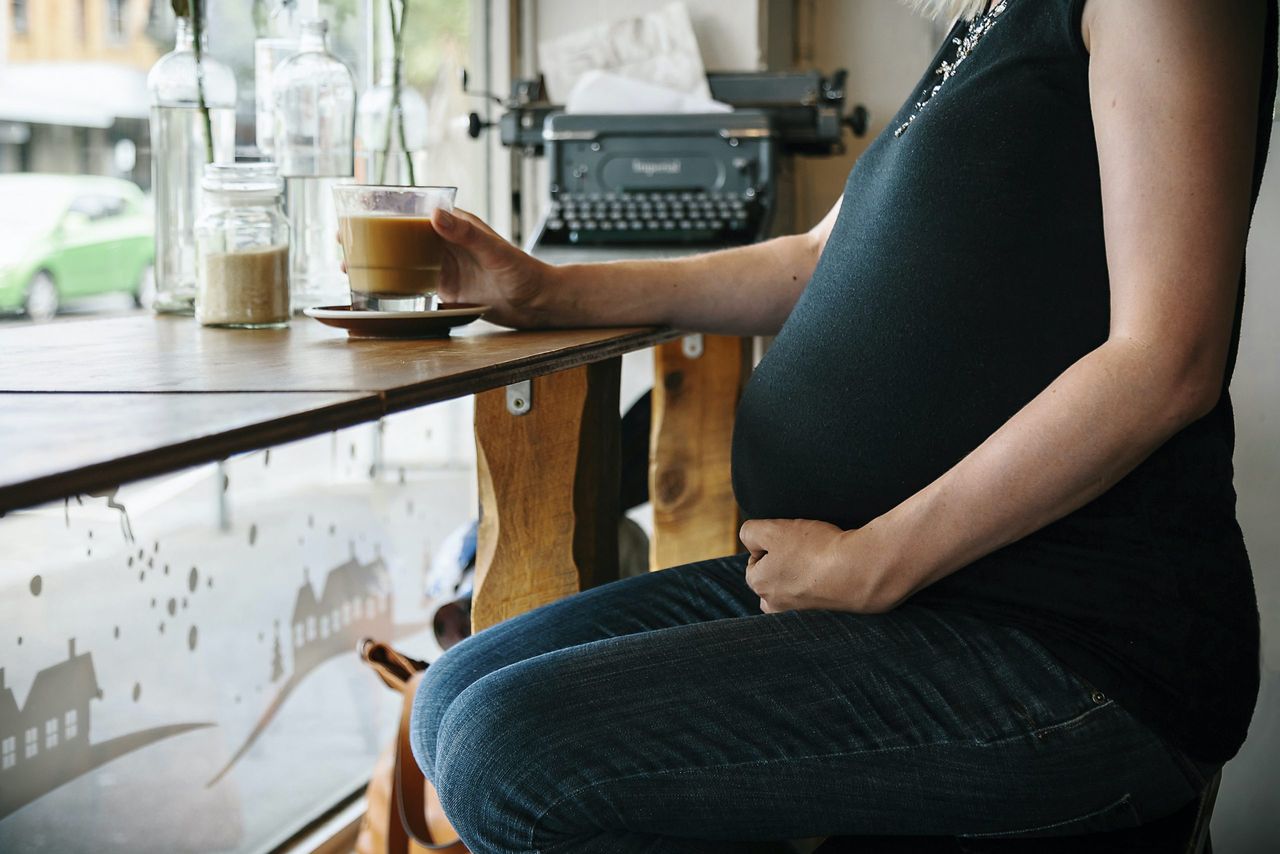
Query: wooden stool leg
pixel 548 491
pixel 697 384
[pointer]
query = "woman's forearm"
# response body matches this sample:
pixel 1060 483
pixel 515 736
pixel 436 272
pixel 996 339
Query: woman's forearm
pixel 748 290
pixel 1071 443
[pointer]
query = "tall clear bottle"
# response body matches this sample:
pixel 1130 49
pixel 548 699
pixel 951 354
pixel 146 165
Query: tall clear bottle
pixel 278 43
pixel 315 101
pixel 180 149
pixel 391 132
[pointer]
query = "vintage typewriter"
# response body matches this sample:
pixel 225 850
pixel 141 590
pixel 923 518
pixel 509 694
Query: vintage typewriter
pixel 660 185
pixel 700 180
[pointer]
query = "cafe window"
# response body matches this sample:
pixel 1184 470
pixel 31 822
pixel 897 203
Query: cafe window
pixel 198 667
pixel 443 38
pixel 8 753
pixel 182 620
pixel 115 21
pixel 21 25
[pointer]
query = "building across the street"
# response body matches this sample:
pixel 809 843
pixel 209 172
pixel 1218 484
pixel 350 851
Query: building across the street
pixel 73 94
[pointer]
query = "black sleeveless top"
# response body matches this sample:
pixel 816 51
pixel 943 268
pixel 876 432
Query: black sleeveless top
pixel 966 271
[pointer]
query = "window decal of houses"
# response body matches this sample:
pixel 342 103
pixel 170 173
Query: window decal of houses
pixel 333 621
pixel 355 602
pixel 51 752
pixel 53 725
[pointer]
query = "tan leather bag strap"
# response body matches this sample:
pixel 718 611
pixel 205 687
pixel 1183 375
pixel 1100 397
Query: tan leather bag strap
pixel 393 667
pixel 407 785
pixel 411 796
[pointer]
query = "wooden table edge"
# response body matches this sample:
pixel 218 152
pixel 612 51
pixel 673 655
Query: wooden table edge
pixel 370 405
pixel 459 385
pixel 166 459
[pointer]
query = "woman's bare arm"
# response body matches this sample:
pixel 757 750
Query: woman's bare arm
pixel 748 290
pixel 1174 93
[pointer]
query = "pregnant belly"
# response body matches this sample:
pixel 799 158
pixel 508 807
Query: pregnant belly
pixel 851 413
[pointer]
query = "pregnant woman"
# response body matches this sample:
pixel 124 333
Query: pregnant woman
pixel 995 584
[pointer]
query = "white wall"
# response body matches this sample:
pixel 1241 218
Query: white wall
pixel 1247 818
pixel 728 31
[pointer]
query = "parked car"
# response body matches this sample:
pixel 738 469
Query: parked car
pixel 63 237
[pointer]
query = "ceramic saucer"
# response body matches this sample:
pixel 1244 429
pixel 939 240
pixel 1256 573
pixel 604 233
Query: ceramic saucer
pixel 398 324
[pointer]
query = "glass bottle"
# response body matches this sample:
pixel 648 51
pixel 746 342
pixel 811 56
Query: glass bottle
pixel 279 43
pixel 242 248
pixel 315 99
pixel 179 151
pixel 391 138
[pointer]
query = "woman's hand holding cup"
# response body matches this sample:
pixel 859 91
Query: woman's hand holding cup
pixel 481 267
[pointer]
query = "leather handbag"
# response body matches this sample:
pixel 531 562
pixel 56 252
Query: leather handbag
pixel 403 814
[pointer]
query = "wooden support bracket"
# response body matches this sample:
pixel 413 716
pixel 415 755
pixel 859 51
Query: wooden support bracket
pixel 548 491
pixel 696 391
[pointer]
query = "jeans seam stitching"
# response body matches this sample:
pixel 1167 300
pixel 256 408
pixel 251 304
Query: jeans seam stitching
pixel 1125 800
pixel 1068 724
pixel 533 828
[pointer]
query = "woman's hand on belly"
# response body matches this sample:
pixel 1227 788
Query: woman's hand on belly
pixel 802 564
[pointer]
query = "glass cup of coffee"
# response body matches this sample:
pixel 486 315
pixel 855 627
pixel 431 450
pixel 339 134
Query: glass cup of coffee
pixel 392 250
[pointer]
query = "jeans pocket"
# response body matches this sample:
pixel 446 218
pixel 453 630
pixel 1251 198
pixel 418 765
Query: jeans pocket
pixel 1119 815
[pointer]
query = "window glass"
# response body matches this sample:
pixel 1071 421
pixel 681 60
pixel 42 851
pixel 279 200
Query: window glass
pixel 155 635
pixel 97 207
pixel 115 20
pixel 74 103
pixel 87 205
pixel 20 23
pixel 112 206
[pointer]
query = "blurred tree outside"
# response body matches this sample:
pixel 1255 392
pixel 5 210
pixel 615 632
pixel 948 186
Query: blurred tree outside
pixel 437 37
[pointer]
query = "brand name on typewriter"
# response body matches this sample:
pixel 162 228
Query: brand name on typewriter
pixel 649 168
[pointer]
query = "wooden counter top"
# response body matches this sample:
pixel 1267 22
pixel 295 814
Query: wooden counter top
pixel 85 405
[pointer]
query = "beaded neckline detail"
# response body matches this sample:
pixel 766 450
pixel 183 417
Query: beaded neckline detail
pixel 978 27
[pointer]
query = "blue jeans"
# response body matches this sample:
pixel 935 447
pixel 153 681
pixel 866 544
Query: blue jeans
pixel 665 713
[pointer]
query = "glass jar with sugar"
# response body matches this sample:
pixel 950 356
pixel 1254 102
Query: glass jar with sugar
pixel 242 248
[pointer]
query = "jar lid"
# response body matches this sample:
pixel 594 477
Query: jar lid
pixel 243 177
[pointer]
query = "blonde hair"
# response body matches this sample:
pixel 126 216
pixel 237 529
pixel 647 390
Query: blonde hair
pixel 949 10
